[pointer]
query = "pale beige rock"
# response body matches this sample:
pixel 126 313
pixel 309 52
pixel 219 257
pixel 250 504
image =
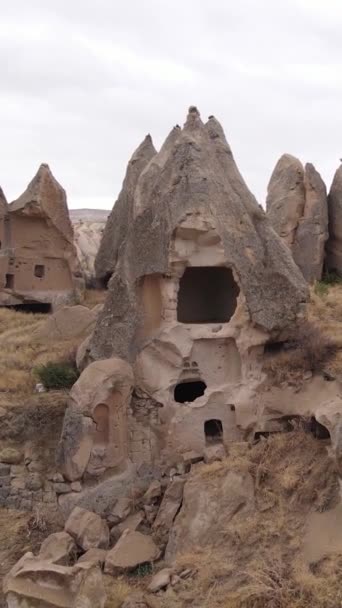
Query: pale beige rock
pixel 33 582
pixel 88 225
pixel 88 529
pixel 169 507
pixel 334 243
pixel 94 556
pixel 132 549
pixel 153 492
pixel 132 522
pixel 120 511
pixel 66 323
pixel 297 209
pixel 94 436
pixel 39 262
pixel 83 354
pixel 215 452
pixel 136 600
pixel 57 548
pixel 207 508
pixel 161 580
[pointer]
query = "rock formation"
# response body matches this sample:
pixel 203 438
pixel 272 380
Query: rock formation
pixel 297 209
pixel 334 244
pixel 39 260
pixel 122 213
pixel 88 225
pixel 201 282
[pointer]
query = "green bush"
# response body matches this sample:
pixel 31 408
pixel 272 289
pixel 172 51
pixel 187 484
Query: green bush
pixel 57 375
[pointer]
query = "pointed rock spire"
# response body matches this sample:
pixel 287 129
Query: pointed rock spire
pixel 122 212
pixel 334 243
pixel 297 209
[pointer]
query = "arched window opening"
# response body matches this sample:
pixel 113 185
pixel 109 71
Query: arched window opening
pixel 213 431
pixel 207 294
pixel 318 430
pixel 186 392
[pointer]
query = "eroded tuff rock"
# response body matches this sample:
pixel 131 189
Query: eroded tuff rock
pixel 122 213
pixel 88 225
pixel 297 209
pixel 192 179
pixel 334 244
pixel 39 259
pixel 36 582
pixel 94 435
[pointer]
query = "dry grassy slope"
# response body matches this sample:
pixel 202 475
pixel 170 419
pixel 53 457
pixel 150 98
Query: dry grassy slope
pixel 325 311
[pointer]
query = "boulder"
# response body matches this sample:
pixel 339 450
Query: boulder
pixel 66 323
pixel 169 508
pixel 161 580
pixel 209 504
pixel 88 529
pixel 94 556
pixel 214 452
pixel 153 493
pixel 120 511
pixel 58 548
pixel 131 550
pixel 82 355
pixel 34 582
pixel 11 456
pixel 90 441
pixel 298 211
pixel 132 522
pixel 334 243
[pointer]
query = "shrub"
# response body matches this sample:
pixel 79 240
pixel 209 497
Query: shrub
pixel 57 375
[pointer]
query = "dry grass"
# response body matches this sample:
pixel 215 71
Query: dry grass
pixel 117 590
pixel 256 560
pixel 20 353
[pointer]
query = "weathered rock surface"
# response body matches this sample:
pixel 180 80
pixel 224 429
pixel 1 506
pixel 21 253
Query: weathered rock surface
pixel 94 556
pixel 88 225
pixel 122 213
pixel 334 243
pixel 298 211
pixel 57 548
pixel 160 580
pixel 88 529
pixel 34 582
pixel 194 173
pixel 66 323
pixel 207 507
pixel 95 427
pixel 213 453
pixel 132 549
pixel 132 522
pixel 38 246
pixel 169 508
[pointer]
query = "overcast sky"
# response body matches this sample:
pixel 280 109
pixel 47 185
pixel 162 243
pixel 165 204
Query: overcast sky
pixel 83 81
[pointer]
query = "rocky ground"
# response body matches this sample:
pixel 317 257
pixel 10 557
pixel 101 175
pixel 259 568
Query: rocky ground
pixel 262 528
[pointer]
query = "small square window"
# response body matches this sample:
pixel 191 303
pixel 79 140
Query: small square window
pixel 39 271
pixel 9 281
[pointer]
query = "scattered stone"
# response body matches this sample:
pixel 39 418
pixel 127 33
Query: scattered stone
pixel 153 493
pixel 62 488
pixel 88 529
pixel 34 582
pixel 132 549
pixel 132 522
pixel 168 509
pixel 58 548
pixel 34 482
pixel 215 452
pixel 5 469
pixel 192 457
pixel 10 456
pixel 121 511
pixel 66 323
pixel 137 600
pixel 76 486
pixel 57 478
pixel 160 580
pixel 94 556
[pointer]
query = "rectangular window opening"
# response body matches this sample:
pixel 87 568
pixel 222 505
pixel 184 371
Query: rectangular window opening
pixel 39 271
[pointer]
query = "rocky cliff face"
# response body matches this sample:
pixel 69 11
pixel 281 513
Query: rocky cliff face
pixel 88 227
pixel 334 244
pixel 297 209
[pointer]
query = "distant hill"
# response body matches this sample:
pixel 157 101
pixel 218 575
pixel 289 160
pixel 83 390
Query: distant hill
pixel 88 227
pixel 89 215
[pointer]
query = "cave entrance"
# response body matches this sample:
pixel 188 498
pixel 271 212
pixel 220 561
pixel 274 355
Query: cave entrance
pixel 35 307
pixel 213 431
pixel 188 391
pixel 318 430
pixel 207 294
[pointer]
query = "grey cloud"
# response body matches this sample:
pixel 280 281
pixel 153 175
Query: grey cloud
pixel 83 82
